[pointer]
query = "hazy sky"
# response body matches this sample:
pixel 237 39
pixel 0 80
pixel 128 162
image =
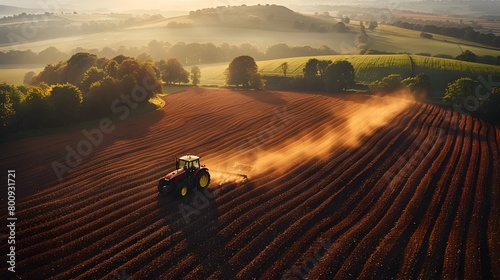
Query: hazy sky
pixel 120 5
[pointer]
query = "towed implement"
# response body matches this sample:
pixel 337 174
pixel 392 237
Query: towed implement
pixel 188 175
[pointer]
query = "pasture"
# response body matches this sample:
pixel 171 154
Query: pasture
pixel 369 68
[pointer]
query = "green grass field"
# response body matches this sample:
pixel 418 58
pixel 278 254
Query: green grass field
pixel 369 68
pixel 399 40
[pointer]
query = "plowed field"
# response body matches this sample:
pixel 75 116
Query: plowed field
pixel 340 186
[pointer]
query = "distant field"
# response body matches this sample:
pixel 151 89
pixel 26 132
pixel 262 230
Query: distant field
pixel 384 38
pixel 399 40
pixel 488 25
pixel 370 68
pixel 138 37
pixel 14 74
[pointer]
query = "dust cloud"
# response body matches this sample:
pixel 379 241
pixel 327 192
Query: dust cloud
pixel 361 120
pixel 343 128
pixel 226 175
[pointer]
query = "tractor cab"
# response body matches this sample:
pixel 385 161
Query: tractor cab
pixel 187 163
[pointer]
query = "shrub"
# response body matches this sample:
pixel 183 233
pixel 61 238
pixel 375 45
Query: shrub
pixel 458 90
pixel 426 35
pixel 387 84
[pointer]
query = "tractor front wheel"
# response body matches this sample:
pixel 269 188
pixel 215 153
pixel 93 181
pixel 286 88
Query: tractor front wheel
pixel 202 179
pixel 182 189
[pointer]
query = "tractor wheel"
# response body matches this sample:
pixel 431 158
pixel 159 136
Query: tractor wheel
pixel 202 179
pixel 182 189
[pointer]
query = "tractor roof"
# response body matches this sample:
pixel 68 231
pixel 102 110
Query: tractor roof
pixel 189 158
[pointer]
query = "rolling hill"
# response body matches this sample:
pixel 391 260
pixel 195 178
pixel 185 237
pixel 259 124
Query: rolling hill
pixel 12 10
pixel 267 17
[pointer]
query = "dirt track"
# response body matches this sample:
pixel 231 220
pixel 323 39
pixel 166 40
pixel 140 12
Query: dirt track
pixel 345 186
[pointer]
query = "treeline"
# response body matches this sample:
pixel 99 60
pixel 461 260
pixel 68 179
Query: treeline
pixel 462 32
pixel 318 76
pixel 187 54
pixel 48 55
pixel 339 76
pixel 464 95
pixel 83 87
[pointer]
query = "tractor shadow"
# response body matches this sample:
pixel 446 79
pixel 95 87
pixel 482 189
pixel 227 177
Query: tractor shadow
pixel 192 220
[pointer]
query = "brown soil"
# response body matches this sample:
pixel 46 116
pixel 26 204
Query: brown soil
pixel 344 186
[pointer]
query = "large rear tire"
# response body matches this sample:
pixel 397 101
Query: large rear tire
pixel 182 189
pixel 202 179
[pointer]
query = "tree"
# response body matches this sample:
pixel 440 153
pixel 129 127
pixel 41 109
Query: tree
pixel 101 96
pixel 284 68
pixel 322 65
pixel 16 95
pixel 420 84
pixel 195 75
pixel 51 74
pixel 11 99
pixel 240 71
pixel 311 68
pixel 339 76
pixel 256 81
pixel 173 72
pixel 156 49
pixel 51 54
pixel 143 57
pixel 458 90
pixel 6 110
pixel 128 83
pixel 129 66
pixel 346 20
pixel 467 56
pixel 470 34
pixel 340 27
pixel 76 67
pixel 389 83
pixel 208 53
pixel 36 107
pixel 372 25
pixel 92 75
pixel 278 51
pixel 112 68
pixel 463 92
pixel 66 100
pixel 28 78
